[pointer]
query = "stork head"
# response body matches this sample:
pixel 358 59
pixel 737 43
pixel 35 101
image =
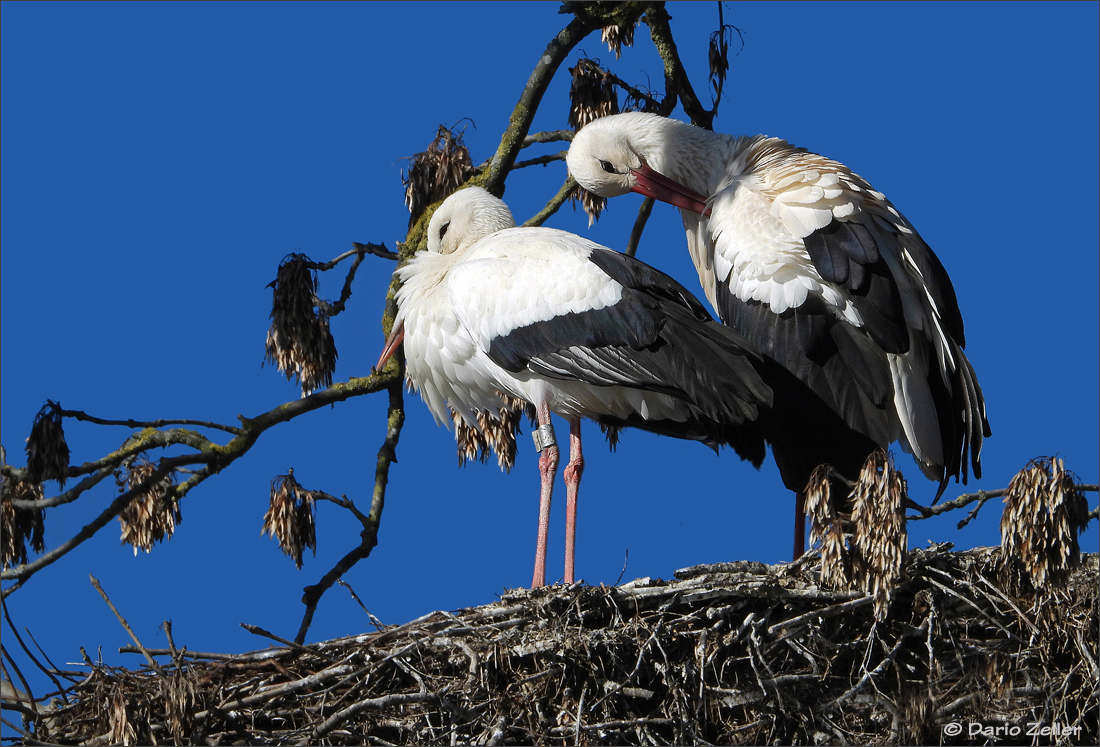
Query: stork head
pixel 465 218
pixel 602 157
pixel 627 152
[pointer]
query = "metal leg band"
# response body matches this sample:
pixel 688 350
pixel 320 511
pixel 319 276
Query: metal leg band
pixel 543 437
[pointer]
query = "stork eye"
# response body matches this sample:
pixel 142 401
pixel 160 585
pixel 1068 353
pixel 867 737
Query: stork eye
pixel 606 166
pixel 443 230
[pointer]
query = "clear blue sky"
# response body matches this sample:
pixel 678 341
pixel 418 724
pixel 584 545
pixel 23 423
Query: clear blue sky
pixel 160 159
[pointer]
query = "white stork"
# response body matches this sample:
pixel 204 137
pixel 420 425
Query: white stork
pixel 571 327
pixel 819 270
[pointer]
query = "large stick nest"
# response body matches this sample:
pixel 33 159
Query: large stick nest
pixel 738 653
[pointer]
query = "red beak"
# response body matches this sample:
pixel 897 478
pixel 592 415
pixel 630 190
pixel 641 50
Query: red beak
pixel 653 184
pixel 395 338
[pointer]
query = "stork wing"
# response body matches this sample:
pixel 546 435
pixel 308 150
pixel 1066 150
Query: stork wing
pixel 569 309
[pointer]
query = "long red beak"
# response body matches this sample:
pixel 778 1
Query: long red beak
pixel 658 186
pixel 395 338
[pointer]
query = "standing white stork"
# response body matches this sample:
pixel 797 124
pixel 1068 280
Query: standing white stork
pixel 570 327
pixel 819 270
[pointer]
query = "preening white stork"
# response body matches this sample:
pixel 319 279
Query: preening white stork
pixel 573 328
pixel 819 270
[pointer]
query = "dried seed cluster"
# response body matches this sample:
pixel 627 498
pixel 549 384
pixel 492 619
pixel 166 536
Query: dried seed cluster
pixel 875 554
pixel 1044 512
pixel 290 518
pixel 299 342
pixel 20 524
pixel 47 452
pixel 436 172
pixel 495 433
pixel 591 96
pixel 827 528
pixel 615 36
pixel 153 515
pixel 879 540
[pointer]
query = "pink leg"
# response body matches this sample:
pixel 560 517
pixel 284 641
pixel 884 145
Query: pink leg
pixel 799 525
pixel 573 472
pixel 548 468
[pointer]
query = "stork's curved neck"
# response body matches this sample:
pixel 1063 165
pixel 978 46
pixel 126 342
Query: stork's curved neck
pixel 694 157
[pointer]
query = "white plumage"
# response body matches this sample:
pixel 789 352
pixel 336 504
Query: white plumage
pixel 570 327
pixel 816 268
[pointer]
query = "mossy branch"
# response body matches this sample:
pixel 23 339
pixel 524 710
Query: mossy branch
pixel 586 20
pixel 555 203
pixel 677 82
pixel 213 456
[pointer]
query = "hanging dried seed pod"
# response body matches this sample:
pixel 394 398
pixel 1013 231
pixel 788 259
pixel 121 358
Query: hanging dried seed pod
pixel 47 452
pixel 290 517
pixel 20 524
pixel 495 433
pixel 436 172
pixel 827 528
pixel 1044 512
pixel 615 37
pixel 299 341
pixel 718 55
pixel 591 96
pixel 879 537
pixel 153 515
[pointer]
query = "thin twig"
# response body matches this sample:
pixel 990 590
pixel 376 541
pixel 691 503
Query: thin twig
pixel 257 630
pixel 136 443
pixel 126 626
pixel 554 204
pixel 22 645
pixel 378 624
pixel 33 707
pixel 83 416
pixel 343 502
pixel 540 160
pixel 69 495
pixel 966 499
pixel 332 309
pixel 182 654
pixel 387 455
pixel 549 136
pixel 639 225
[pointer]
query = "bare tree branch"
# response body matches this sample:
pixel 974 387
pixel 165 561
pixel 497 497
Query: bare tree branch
pixel 126 626
pixel 387 455
pixel 639 226
pixel 555 203
pixel 32 657
pixel 549 136
pixel 585 21
pixel 540 160
pixel 651 104
pixel 378 250
pixel 68 496
pixel 213 456
pixel 676 77
pixel 927 512
pixel 78 415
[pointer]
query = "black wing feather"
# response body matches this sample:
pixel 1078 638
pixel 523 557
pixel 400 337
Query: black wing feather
pixel 657 337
